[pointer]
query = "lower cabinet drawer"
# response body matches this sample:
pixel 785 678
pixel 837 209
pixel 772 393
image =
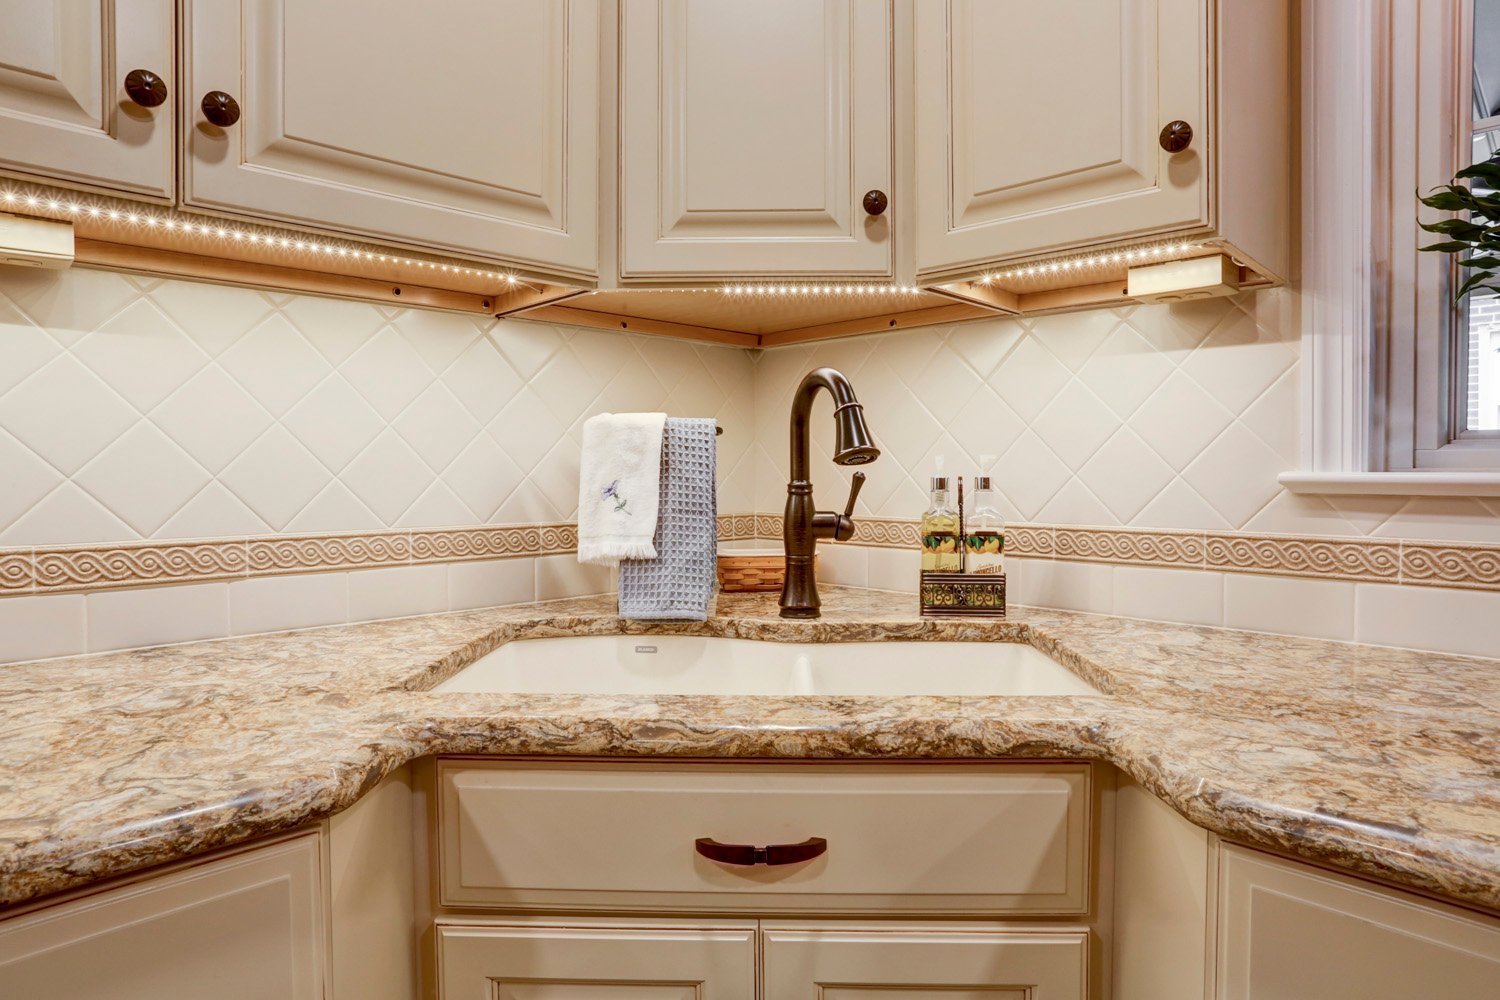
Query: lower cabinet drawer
pixel 597 960
pixel 916 962
pixel 900 839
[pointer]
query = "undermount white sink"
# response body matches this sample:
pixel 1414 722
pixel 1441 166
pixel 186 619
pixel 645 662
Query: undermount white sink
pixel 688 665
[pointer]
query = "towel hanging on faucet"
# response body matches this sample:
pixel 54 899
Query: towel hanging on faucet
pixel 619 487
pixel 680 582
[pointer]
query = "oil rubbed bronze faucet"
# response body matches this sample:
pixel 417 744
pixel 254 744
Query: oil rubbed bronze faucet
pixel 803 526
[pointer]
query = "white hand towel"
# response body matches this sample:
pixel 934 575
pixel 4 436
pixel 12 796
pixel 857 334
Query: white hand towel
pixel 619 487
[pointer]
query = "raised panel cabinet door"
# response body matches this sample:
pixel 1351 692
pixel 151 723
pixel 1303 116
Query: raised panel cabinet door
pixel 246 927
pixel 596 960
pixel 1290 932
pixel 749 136
pixel 65 114
pixel 468 126
pixel 1038 125
pixel 808 961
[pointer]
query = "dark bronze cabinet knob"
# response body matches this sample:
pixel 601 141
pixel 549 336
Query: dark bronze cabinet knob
pixel 875 202
pixel 1176 136
pixel 220 109
pixel 145 88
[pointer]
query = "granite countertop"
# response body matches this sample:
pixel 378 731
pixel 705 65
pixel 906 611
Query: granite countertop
pixel 1379 761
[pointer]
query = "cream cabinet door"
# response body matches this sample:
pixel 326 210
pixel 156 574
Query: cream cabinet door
pixel 922 962
pixel 64 113
pixel 468 126
pixel 246 927
pixel 1038 125
pixel 1290 932
pixel 596 960
pixel 749 135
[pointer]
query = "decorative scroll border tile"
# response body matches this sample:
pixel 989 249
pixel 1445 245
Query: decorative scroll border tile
pixel 101 567
pixel 58 569
pixel 1360 559
pixel 1135 548
pixel 1440 565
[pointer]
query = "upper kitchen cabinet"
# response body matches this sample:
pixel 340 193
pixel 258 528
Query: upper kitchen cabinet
pixel 468 126
pixel 1048 128
pixel 84 93
pixel 755 139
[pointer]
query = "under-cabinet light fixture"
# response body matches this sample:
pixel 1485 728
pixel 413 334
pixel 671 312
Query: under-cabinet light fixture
pixel 259 236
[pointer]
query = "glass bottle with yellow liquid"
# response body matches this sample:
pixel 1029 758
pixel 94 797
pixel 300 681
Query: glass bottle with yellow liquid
pixel 940 541
pixel 984 534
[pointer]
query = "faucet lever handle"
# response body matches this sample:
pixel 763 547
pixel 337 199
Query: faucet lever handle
pixel 855 485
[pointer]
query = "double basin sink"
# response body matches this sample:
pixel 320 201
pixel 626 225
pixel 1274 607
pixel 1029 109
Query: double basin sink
pixel 704 665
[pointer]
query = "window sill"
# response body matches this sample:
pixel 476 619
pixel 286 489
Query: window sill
pixel 1399 484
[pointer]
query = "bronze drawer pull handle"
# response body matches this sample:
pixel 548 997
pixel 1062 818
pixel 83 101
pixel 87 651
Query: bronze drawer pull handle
pixel 747 855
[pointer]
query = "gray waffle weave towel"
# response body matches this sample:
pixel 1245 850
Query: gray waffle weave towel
pixel 679 583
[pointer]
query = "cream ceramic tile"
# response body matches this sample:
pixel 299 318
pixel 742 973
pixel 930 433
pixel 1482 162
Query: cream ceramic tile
pixel 439 337
pixel 1179 420
pixel 212 513
pixel 334 422
pixel 1125 370
pixel 985 343
pixel 387 476
pixel 528 428
pixel 1075 504
pixel 276 477
pixel 215 316
pixel 894 569
pixel 1319 608
pixel 1029 378
pixel 278 603
pixel 1029 475
pixel 437 507
pixel 1447 518
pixel 482 380
pixel 335 509
pixel 213 418
pixel 1450 621
pixel 64 516
pixel 1125 474
pixel 437 426
pixel 68 304
pixel 26 479
pixel 1045 583
pixel 483 476
pixel 1074 337
pixel 24 346
pixel 1195 597
pixel 388 372
pixel 154 616
pixel 144 478
pixel 142 353
pixel 1074 424
pixel 275 364
pixel 526 346
pixel 1236 474
pixel 65 413
pixel 1239 360
pixel 564 576
pixel 335 327
pixel 397 592
pixel 847 565
pixel 1178 505
pixel 34 628
pixel 491 583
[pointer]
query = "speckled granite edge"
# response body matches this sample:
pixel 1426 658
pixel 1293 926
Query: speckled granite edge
pixel 1378 761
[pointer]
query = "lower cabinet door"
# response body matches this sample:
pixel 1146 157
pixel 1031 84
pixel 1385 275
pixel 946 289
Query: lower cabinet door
pixel 245 927
pixel 597 960
pixel 1291 932
pixel 815 961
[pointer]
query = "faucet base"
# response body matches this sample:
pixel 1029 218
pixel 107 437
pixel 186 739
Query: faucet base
pixel 801 613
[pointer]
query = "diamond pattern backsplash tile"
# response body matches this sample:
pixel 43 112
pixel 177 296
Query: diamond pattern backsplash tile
pixel 1175 416
pixel 136 408
pixel 132 407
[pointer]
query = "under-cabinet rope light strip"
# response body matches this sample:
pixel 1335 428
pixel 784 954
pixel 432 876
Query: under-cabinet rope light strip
pixel 805 289
pixel 260 236
pixel 1131 255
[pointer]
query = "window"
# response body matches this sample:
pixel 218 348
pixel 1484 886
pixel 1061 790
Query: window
pixel 1478 350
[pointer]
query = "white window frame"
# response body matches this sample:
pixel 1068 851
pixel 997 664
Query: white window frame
pixel 1386 86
